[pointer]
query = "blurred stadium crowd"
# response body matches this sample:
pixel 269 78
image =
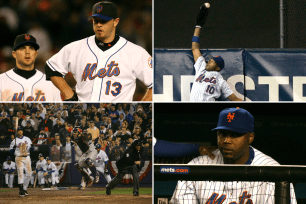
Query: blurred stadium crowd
pixel 56 23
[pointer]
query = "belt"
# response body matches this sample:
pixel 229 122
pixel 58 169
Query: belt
pixel 22 156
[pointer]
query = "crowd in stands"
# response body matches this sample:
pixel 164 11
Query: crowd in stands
pixel 114 126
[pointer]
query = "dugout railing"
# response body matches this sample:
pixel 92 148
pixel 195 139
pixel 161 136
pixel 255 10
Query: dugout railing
pixel 282 176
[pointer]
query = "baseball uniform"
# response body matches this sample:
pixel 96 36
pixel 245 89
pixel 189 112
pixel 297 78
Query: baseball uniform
pixel 108 75
pixel 52 171
pixel 14 87
pixel 9 177
pixel 23 161
pixel 228 192
pixel 100 162
pixel 40 171
pixel 208 85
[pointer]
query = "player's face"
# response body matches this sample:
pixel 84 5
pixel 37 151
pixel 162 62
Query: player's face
pixel 234 146
pixel 212 66
pixel 41 158
pixel 48 161
pixel 105 30
pixel 20 133
pixel 25 57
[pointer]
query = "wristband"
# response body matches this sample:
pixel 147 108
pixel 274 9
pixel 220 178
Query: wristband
pixel 196 39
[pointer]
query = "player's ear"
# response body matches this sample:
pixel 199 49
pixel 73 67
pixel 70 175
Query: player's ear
pixel 14 54
pixel 251 137
pixel 116 21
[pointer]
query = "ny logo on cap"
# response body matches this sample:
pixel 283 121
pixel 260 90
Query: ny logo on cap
pixel 230 117
pixel 27 37
pixel 99 8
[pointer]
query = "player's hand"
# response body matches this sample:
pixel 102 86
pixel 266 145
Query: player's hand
pixel 74 97
pixel 201 16
pixel 207 150
pixel 46 173
pixel 33 172
pixel 137 162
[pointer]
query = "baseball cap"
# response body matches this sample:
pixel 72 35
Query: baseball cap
pixel 9 158
pixel 25 38
pixel 105 10
pixel 235 119
pixel 48 158
pixel 40 155
pixel 220 62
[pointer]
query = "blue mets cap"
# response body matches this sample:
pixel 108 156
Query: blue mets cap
pixel 25 39
pixel 98 146
pixel 48 158
pixel 236 119
pixel 105 10
pixel 9 158
pixel 220 62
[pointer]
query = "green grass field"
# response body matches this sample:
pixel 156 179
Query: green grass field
pixel 142 191
pixel 6 190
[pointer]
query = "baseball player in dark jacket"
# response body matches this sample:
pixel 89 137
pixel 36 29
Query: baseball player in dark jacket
pixel 129 158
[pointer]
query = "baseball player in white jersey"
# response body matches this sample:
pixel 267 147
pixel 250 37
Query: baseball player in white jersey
pixel 235 133
pixel 208 83
pixel 104 65
pixel 50 172
pixel 20 146
pixel 9 168
pixel 24 82
pixel 39 170
pixel 101 164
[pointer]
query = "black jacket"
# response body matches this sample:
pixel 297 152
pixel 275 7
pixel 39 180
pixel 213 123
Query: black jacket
pixel 129 156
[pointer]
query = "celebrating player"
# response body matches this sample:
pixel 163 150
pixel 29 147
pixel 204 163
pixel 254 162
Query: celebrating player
pixel 235 133
pixel 130 158
pixel 24 82
pixel 101 164
pixel 89 155
pixel 40 170
pixel 20 146
pixel 50 173
pixel 104 65
pixel 9 168
pixel 208 83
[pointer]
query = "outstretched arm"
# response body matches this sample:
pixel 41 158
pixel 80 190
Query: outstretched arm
pixel 200 21
pixel 148 95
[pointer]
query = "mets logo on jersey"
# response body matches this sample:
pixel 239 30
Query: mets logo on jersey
pixel 40 96
pixel 230 117
pixel 202 78
pixel 150 62
pixel 99 8
pixel 27 37
pixel 213 199
pixel 111 70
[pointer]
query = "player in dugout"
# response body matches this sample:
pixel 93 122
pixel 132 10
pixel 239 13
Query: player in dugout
pixel 208 84
pixel 235 134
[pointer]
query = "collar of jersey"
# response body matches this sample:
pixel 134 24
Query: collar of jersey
pixel 20 138
pixel 251 158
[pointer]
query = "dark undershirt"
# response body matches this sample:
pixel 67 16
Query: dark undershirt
pixel 25 74
pixel 101 45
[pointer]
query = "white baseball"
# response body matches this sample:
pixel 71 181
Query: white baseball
pixel 207 5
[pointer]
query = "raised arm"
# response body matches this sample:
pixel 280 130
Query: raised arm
pixel 200 21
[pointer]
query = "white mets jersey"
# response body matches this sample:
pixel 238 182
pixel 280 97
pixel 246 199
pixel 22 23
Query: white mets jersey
pixel 7 166
pixel 18 143
pixel 40 165
pixel 14 87
pixel 104 75
pixel 50 168
pixel 208 85
pixel 204 192
pixel 101 158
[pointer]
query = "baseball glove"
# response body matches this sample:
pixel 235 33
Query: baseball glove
pixel 23 149
pixel 74 97
pixel 202 15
